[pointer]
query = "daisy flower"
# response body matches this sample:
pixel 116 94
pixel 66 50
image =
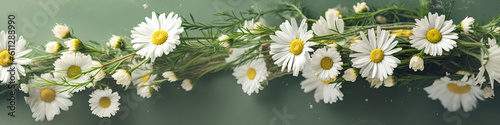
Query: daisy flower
pixel 104 103
pixel 333 12
pixel 416 63
pixel 376 83
pixel 350 74
pixel 324 27
pixel 8 61
pixel 122 77
pixel 325 91
pixel 157 36
pixel 466 24
pixel 70 65
pixel 224 41
pixel 142 78
pixel 170 75
pixel 248 25
pixel 455 94
pixel 52 47
pixel 115 42
pixel 291 48
pixel 434 34
pixel 60 31
pixel 187 85
pixel 46 101
pixel 360 7
pixel 374 55
pixel 490 63
pixel 251 75
pixel 73 45
pixel 326 63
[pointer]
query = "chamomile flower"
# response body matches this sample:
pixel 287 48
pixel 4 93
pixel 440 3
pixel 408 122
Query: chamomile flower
pixel 291 48
pixel 104 103
pixel 374 54
pixel 170 75
pixel 433 34
pixel 350 74
pixel 416 63
pixel 122 77
pixel 7 60
pixel 324 27
pixel 360 7
pixel 157 36
pixel 52 47
pixel 326 63
pixel 251 75
pixel 70 65
pixel 46 101
pixel 325 91
pixel 115 42
pixel 333 12
pixel 466 24
pixel 490 62
pixel 60 31
pixel 248 25
pixel 142 78
pixel 455 94
pixel 187 85
pixel 224 42
pixel 73 44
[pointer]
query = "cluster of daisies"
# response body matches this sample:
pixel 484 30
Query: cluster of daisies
pixel 75 71
pixel 325 64
pixel 371 57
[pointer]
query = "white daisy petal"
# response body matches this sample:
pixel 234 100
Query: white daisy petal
pixel 433 34
pixel 374 54
pixel 153 39
pixel 291 48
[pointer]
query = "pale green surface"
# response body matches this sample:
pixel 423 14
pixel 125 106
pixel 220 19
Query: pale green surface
pixel 217 99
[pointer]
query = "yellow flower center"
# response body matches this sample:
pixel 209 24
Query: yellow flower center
pixel 377 55
pixel 433 36
pixel 145 77
pixel 47 95
pixel 73 71
pixel 104 102
pixel 454 88
pixel 251 73
pixel 326 63
pixel 296 46
pixel 329 81
pixel 159 37
pixel 5 58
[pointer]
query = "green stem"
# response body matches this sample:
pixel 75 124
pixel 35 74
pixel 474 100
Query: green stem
pixel 298 10
pixel 135 67
pixel 471 53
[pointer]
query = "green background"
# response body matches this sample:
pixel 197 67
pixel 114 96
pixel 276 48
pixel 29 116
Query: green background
pixel 216 98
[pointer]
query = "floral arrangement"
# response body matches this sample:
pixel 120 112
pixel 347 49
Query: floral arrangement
pixel 389 46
